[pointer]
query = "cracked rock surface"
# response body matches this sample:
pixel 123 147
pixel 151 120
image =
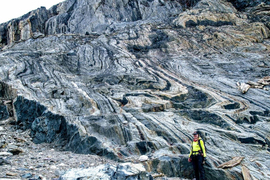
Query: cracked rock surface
pixel 121 79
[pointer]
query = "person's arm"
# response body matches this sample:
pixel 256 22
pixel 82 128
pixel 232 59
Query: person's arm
pixel 189 157
pixel 203 148
pixel 191 149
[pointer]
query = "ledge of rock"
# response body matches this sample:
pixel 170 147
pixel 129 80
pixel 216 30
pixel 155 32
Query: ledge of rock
pixel 197 18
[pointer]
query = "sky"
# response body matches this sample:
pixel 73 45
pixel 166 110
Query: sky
pixel 11 9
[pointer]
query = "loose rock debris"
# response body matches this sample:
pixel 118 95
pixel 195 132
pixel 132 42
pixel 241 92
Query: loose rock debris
pixel 260 84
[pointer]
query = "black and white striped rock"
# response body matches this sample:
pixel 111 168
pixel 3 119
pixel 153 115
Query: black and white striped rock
pixel 121 79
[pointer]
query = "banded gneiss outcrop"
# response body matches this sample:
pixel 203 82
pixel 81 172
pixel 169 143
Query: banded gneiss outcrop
pixel 121 79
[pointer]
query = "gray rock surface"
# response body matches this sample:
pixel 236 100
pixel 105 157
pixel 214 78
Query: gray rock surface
pixel 39 161
pixel 121 171
pixel 121 79
pixel 84 17
pixel 242 4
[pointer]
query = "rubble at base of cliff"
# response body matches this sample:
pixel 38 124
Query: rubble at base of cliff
pixel 129 82
pixel 20 158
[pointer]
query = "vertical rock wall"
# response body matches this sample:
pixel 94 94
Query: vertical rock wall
pixel 30 25
pixel 82 17
pixel 7 94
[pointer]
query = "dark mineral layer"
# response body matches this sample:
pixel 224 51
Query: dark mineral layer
pixel 122 79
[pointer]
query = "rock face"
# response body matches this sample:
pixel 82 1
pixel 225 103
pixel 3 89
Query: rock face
pixel 84 17
pixel 121 79
pixel 242 4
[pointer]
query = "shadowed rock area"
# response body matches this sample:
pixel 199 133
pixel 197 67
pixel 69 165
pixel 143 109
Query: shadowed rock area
pixel 121 79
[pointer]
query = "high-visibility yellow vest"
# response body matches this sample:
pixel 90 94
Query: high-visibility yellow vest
pixel 196 148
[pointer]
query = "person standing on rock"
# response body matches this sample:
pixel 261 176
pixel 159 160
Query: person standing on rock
pixel 197 156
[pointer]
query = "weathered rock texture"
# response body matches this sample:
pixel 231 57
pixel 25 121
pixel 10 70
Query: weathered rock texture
pixel 121 171
pixel 242 4
pixel 121 79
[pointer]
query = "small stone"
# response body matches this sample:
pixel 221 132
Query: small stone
pixel 53 167
pixel 11 174
pixel 1 161
pixel 59 172
pixel 37 177
pixel 20 140
pixel 41 177
pixel 1 128
pixel 27 175
pixel 243 87
pixel 143 158
pixel 261 64
pixel 38 35
pixel 125 122
pixel 62 164
pixel 12 146
pixel 22 169
pixel 5 154
pixel 3 144
pixel 16 151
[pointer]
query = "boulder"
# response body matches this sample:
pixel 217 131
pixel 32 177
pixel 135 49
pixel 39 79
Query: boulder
pixel 143 158
pixel 234 162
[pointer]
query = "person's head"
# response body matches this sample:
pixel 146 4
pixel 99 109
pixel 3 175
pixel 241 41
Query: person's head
pixel 196 135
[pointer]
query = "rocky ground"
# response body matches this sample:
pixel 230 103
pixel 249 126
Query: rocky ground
pixel 124 79
pixel 20 158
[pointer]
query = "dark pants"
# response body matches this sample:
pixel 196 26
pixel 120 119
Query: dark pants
pixel 198 167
